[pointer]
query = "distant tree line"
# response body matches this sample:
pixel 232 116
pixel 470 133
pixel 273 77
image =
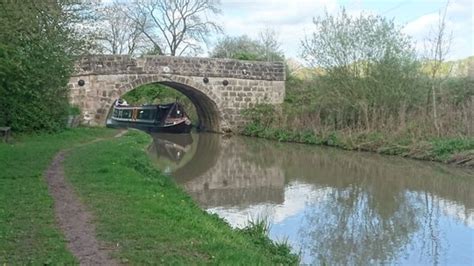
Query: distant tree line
pixel 265 48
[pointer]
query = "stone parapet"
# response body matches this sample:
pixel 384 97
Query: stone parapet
pixel 185 66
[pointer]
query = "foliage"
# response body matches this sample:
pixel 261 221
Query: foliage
pixel 37 43
pixel 457 91
pixel 157 222
pixel 28 233
pixel 74 110
pixel 258 231
pixel 450 150
pixel 369 66
pixel 445 147
pixel 262 114
pixel 245 48
pixel 376 103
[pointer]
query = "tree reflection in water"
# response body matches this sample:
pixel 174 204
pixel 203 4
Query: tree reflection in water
pixel 369 209
pixel 345 229
pixel 375 209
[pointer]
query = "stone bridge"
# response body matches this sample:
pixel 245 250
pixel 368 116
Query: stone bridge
pixel 219 88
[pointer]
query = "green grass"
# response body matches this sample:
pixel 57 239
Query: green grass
pixel 28 234
pixel 149 219
pixel 443 148
pixel 435 149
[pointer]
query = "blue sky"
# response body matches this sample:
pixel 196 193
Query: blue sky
pixel 292 19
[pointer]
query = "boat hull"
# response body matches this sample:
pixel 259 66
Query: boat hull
pixel 178 128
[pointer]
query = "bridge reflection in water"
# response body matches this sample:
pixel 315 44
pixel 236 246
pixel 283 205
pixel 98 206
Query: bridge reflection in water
pixel 210 168
pixel 335 207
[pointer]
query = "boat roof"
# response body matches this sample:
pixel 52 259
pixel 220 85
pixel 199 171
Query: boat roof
pixel 149 106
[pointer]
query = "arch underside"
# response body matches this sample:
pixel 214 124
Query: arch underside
pixel 202 98
pixel 206 109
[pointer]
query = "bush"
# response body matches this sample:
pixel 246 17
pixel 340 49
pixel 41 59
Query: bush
pixel 36 47
pixel 262 115
pixel 370 70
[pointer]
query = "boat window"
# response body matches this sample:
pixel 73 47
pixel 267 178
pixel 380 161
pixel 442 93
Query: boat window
pixel 127 114
pixel 144 114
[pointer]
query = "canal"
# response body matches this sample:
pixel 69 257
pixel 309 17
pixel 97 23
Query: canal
pixel 331 206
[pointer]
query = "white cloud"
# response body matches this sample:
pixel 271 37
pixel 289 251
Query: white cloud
pixel 422 25
pixel 461 7
pixel 459 23
pixel 297 196
pixel 291 19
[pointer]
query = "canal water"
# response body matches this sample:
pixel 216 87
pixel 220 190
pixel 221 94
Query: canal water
pixel 331 206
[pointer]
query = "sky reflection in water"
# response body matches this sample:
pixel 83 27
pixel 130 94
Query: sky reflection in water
pixel 332 206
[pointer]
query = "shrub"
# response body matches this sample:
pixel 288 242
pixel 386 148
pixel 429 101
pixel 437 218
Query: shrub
pixel 37 43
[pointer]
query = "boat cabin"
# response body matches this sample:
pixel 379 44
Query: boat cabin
pixel 156 118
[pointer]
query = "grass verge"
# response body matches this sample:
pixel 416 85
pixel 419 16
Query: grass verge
pixel 151 220
pixel 28 234
pixel 458 151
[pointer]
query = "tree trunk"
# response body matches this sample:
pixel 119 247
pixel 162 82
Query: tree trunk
pixel 402 115
pixel 435 113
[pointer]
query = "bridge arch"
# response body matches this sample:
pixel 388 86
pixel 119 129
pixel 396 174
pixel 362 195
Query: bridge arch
pixel 219 88
pixel 204 100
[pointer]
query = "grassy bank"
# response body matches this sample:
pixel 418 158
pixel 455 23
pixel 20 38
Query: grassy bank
pixel 458 150
pixel 28 234
pixel 309 116
pixel 148 219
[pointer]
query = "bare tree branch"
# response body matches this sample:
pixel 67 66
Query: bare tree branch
pixel 181 24
pixel 438 46
pixel 120 33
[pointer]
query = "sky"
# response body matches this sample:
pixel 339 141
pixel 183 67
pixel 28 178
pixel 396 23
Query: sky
pixel 292 19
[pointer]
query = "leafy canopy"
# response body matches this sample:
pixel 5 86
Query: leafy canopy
pixel 37 43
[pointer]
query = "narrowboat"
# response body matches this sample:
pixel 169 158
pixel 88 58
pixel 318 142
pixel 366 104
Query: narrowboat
pixel 167 118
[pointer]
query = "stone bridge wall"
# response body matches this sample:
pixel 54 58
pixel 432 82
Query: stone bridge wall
pixel 219 88
pixel 183 66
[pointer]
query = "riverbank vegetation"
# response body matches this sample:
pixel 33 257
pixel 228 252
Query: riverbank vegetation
pixel 148 219
pixel 370 92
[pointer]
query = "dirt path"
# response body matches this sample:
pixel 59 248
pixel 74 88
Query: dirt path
pixel 73 217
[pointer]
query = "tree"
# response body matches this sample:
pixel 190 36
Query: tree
pixel 38 42
pixel 370 68
pixel 241 47
pixel 245 48
pixel 271 47
pixel 175 27
pixel 119 33
pixel 437 45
